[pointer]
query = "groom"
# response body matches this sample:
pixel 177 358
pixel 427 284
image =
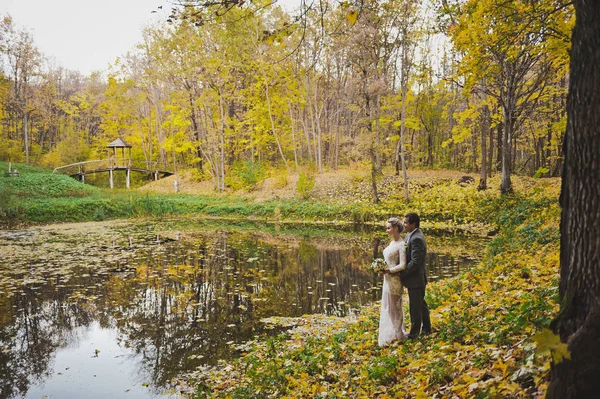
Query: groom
pixel 414 277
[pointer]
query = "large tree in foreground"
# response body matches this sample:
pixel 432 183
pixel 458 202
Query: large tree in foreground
pixel 579 320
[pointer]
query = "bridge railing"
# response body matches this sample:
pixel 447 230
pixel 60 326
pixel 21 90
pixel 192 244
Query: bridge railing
pixel 111 163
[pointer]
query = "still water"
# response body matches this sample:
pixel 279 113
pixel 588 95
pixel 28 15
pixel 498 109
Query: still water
pixel 120 309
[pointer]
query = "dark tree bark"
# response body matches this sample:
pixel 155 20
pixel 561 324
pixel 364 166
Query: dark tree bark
pixel 430 148
pixel 578 322
pixel 499 130
pixel 491 154
pixel 507 137
pixel 374 172
pixel 485 122
pixel 196 130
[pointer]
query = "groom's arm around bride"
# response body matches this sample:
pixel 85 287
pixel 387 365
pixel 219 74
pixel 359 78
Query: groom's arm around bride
pixel 414 278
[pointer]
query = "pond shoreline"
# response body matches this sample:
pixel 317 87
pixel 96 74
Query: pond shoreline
pixel 438 227
pixel 39 197
pixel 30 213
pixel 220 284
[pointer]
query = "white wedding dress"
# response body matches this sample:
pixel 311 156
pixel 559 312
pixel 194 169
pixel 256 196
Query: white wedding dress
pixel 391 319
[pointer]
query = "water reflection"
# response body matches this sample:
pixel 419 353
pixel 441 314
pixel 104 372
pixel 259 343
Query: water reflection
pixel 163 304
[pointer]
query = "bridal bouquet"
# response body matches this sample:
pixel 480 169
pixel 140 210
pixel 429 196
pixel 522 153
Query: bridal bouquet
pixel 378 265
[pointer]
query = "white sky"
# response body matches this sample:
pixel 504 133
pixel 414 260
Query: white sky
pixel 83 35
pixel 86 35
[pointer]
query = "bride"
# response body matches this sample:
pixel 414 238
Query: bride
pixel 391 319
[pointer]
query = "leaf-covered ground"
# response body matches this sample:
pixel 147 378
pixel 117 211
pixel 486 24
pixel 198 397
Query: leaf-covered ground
pixel 489 340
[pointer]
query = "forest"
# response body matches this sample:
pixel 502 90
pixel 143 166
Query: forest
pixel 253 90
pixel 291 134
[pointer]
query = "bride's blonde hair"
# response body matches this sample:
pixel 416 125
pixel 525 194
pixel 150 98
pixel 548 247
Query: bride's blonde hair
pixel 395 222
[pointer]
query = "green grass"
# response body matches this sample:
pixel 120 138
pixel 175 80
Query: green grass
pixel 102 206
pixel 34 182
pixel 38 196
pixel 43 185
pixel 22 168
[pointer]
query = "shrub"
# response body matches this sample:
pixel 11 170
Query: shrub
pixel 306 182
pixel 541 172
pixel 251 173
pixel 244 175
pixel 71 150
pixel 197 175
pixel 281 180
pixel 12 150
pixel 358 171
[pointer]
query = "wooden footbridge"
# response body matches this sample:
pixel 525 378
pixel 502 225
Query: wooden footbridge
pixel 79 170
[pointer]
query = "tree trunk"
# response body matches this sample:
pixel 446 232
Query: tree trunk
pixel 309 104
pixel 474 137
pixel 506 185
pixel 337 141
pixel 578 322
pixel 514 153
pixel 196 129
pixel 222 138
pixel 26 133
pixel 430 134
pixel 369 128
pixel 402 133
pixel 543 160
pixel 397 157
pixel 545 152
pixel 378 145
pixel 303 115
pixel 306 137
pixel 500 129
pixel 319 148
pixel 491 152
pixel 273 123
pixel 373 173
pixel 292 122
pixel 485 131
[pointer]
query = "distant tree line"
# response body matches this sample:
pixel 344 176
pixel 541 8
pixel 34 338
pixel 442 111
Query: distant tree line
pixel 478 86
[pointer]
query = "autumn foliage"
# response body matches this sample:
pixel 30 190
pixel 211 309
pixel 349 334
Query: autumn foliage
pixel 490 329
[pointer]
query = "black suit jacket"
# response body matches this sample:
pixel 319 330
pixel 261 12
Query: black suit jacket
pixel 415 275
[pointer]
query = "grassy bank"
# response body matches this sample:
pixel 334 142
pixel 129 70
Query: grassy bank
pixel 38 197
pixel 485 321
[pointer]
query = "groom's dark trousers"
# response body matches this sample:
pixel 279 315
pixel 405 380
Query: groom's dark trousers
pixel 414 278
pixel 419 312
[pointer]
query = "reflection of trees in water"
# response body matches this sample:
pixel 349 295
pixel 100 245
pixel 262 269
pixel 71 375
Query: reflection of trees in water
pixel 443 266
pixel 334 274
pixel 36 322
pixel 182 298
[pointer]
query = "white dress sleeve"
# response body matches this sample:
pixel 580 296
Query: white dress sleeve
pixel 402 265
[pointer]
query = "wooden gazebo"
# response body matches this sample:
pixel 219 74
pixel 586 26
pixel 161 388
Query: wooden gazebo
pixel 122 163
pixel 119 143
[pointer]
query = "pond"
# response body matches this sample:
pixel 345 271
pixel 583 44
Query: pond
pixel 120 309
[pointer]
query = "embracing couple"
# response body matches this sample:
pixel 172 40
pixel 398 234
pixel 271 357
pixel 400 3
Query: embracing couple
pixel 405 259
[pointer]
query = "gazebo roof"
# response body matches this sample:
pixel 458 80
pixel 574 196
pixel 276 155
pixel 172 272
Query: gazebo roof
pixel 118 143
